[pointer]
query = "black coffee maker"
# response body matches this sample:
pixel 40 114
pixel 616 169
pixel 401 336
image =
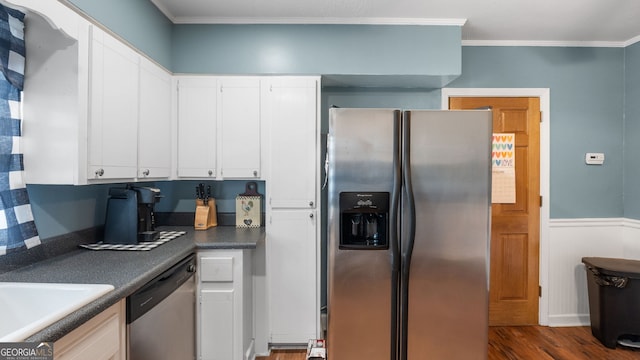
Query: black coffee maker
pixel 130 215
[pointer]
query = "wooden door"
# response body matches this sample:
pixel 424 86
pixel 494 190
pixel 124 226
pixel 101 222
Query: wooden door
pixel 515 228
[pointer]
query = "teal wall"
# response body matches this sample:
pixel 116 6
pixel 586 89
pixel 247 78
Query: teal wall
pixel 61 209
pixel 632 132
pixel 317 49
pixel 137 21
pixel 587 85
pixel 179 195
pixel 587 92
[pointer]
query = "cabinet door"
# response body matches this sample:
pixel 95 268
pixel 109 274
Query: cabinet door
pixel 113 120
pixel 217 325
pixel 154 137
pixel 292 276
pixel 290 111
pixel 197 127
pixel 239 118
pixel 102 337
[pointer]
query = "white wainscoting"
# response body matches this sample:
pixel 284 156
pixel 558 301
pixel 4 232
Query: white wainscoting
pixel 569 241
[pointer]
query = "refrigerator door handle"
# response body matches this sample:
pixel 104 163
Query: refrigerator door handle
pixel 409 235
pixel 394 234
pixel 326 169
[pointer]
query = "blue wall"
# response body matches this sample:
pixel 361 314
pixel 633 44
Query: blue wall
pixel 61 209
pixel 632 133
pixel 587 92
pixel 587 100
pixel 179 195
pixel 317 49
pixel 137 21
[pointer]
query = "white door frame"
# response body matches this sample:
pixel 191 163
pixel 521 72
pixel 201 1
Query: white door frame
pixel 545 157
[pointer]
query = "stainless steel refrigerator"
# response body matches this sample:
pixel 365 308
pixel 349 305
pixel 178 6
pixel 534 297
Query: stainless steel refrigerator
pixel 408 234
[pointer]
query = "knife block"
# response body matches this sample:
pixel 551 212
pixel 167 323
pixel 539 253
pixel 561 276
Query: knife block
pixel 206 215
pixel 213 213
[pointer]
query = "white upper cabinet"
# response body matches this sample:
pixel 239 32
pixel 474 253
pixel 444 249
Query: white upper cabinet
pixel 290 117
pixel 239 124
pixel 197 126
pixel 114 99
pixel 55 97
pixel 154 122
pixel 95 110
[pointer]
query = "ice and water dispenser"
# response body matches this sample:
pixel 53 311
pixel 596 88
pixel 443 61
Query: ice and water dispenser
pixel 363 220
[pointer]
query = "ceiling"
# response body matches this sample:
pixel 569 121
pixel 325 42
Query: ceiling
pixel 508 22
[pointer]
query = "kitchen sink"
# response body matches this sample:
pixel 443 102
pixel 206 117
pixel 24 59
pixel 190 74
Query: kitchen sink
pixel 26 308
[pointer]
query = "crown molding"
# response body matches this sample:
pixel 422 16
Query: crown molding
pixel 163 9
pixel 632 41
pixel 615 44
pixel 317 20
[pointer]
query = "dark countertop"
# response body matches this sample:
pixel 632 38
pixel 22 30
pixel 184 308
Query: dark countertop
pixel 127 271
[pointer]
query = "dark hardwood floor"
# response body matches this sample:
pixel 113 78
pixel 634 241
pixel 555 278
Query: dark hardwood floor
pixel 529 343
pixel 551 343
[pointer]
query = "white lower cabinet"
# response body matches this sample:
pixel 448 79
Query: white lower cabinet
pixel 225 307
pixel 101 338
pixel 292 278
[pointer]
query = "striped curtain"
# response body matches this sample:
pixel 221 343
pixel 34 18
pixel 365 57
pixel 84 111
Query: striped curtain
pixel 17 228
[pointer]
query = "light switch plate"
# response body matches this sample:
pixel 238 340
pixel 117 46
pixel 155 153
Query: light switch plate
pixel 594 158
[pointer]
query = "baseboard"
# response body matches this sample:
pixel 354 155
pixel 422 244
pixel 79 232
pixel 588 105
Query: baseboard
pixel 569 320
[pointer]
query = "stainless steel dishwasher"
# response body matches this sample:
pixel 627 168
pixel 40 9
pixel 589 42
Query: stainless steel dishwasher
pixel 161 316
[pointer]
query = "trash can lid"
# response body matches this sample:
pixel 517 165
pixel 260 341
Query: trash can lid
pixel 614 267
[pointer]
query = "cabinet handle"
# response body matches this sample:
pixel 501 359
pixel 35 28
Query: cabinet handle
pixel 311 203
pixel 99 172
pixel 255 173
pixel 145 172
pixel 210 172
pixel 311 215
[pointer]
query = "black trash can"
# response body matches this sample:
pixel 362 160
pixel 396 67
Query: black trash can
pixel 614 298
